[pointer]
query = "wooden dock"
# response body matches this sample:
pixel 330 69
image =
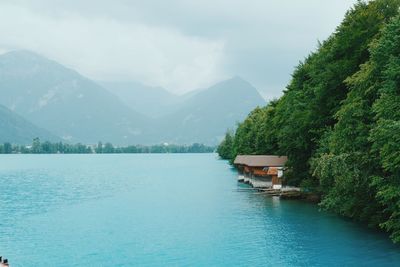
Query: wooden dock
pixel 284 192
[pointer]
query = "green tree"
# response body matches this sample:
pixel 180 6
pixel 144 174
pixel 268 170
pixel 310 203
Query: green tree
pixel 36 146
pixel 385 135
pixel 7 148
pixel 108 148
pixel 99 148
pixel 225 148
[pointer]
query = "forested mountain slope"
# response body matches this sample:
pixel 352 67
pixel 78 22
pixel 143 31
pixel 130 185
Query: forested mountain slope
pixel 338 120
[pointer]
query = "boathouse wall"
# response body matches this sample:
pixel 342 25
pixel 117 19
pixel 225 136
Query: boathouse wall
pixel 261 171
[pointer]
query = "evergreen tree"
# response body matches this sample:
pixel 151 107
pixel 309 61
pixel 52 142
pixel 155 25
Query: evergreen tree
pixel 99 148
pixel 36 146
pixel 108 148
pixel 7 148
pixel 224 149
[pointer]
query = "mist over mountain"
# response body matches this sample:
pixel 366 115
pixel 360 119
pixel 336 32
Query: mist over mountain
pixel 61 100
pixel 15 129
pixel 207 114
pixel 201 116
pixel 78 109
pixel 150 101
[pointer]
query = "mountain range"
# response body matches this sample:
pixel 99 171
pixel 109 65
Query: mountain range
pixel 208 113
pixel 53 102
pixel 61 100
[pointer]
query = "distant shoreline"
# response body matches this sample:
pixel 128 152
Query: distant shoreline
pixel 38 147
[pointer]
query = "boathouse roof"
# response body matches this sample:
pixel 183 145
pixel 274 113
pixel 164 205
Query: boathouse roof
pixel 260 160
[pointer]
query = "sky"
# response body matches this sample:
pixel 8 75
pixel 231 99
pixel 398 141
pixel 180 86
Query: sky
pixel 179 45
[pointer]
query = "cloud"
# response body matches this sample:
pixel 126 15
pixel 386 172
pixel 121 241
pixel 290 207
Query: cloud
pixel 180 45
pixel 106 49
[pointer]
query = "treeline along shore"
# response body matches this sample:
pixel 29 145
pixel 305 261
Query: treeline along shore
pixel 38 147
pixel 338 120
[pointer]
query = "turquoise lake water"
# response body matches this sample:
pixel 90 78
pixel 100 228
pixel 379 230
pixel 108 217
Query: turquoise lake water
pixel 165 210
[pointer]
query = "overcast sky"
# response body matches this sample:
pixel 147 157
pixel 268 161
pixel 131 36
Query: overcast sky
pixel 177 44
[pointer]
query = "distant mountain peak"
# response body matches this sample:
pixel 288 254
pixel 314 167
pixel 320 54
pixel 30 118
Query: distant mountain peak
pixel 22 52
pixel 236 84
pixel 26 62
pixel 24 55
pixel 237 78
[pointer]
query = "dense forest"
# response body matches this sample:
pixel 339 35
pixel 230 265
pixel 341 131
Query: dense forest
pixel 47 147
pixel 338 120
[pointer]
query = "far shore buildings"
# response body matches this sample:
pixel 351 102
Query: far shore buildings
pixel 261 170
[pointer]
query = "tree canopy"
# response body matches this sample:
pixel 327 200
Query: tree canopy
pixel 338 120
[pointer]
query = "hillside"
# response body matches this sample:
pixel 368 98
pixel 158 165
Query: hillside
pixel 205 116
pixel 61 100
pixel 17 130
pixel 339 120
pixel 150 101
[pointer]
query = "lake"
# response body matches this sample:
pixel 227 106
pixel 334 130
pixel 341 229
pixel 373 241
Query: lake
pixel 165 210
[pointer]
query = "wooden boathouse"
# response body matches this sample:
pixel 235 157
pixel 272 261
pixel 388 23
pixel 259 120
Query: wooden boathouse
pixel 261 171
